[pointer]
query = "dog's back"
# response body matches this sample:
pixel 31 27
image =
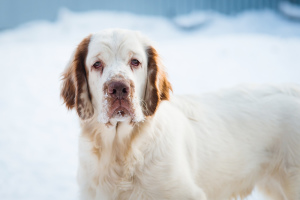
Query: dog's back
pixel 247 136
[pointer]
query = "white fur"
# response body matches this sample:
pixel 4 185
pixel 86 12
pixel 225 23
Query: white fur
pixel 213 146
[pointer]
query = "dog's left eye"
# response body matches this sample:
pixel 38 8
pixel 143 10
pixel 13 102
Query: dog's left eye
pixel 135 62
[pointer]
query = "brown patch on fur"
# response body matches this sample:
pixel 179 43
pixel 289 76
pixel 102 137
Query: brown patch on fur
pixel 158 87
pixel 68 88
pixel 75 89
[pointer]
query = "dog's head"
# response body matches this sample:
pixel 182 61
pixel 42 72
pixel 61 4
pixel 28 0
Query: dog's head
pixel 115 75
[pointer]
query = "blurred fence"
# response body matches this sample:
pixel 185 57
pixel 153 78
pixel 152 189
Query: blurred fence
pixel 15 12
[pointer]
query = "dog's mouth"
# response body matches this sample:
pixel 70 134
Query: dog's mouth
pixel 120 109
pixel 120 112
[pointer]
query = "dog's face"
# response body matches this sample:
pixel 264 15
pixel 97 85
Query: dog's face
pixel 115 75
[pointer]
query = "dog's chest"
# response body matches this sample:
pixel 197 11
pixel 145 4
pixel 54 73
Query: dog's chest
pixel 114 175
pixel 115 170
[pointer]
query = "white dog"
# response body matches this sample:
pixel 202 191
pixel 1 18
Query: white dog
pixel 139 141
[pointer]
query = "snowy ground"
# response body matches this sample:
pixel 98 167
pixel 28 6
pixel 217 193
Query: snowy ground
pixel 38 137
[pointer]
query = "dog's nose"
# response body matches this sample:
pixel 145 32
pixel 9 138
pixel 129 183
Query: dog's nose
pixel 119 89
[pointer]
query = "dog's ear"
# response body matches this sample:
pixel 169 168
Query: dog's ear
pixel 158 87
pixel 75 90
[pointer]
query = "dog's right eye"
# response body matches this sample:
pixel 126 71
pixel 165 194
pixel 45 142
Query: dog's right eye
pixel 97 65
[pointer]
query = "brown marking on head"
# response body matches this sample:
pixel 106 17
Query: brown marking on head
pixel 158 87
pixel 75 89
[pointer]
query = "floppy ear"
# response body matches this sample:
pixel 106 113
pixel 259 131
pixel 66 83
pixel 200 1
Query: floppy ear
pixel 158 87
pixel 75 91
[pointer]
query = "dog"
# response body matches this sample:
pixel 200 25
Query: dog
pixel 140 141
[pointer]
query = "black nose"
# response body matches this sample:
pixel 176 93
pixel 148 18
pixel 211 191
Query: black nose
pixel 119 89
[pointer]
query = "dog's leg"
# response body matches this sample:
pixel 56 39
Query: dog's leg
pixel 285 186
pixel 87 193
pixel 272 188
pixel 292 186
pixel 193 193
pixel 198 195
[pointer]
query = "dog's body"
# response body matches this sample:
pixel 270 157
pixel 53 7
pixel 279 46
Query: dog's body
pixel 152 145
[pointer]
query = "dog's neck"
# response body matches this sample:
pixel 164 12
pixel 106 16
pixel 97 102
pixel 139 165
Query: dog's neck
pixel 115 139
pixel 115 150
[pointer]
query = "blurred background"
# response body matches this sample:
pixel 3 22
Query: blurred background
pixel 19 12
pixel 206 45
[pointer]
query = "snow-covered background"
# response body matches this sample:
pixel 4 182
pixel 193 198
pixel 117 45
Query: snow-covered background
pixel 38 136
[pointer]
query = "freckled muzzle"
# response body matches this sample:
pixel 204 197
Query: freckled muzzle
pixel 119 95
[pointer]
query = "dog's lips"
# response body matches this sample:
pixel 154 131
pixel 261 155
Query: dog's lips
pixel 120 108
pixel 121 112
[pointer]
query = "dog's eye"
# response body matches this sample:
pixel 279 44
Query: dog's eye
pixel 97 65
pixel 135 62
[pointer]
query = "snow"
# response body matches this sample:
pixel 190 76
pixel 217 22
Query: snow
pixel 38 136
